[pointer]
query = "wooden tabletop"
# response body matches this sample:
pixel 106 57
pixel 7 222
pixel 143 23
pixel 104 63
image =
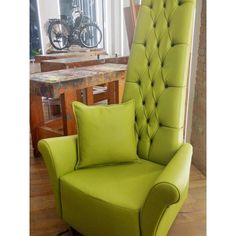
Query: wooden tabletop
pixel 107 67
pixel 53 83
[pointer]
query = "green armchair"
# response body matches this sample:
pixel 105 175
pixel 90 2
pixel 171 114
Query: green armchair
pixel 143 197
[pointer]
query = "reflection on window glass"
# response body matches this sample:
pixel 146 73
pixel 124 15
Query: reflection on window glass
pixel 35 41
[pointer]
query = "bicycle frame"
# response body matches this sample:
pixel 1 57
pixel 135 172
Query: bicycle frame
pixel 74 26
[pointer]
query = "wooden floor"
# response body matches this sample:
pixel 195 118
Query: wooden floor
pixel 44 221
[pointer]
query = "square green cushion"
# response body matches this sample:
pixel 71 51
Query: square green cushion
pixel 106 133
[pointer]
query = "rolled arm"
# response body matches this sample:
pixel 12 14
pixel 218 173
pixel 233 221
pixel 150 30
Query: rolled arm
pixel 60 156
pixel 169 188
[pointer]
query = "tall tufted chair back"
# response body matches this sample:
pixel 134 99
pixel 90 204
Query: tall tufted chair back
pixel 157 75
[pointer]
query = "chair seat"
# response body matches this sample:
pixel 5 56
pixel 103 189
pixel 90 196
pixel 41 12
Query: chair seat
pixel 108 195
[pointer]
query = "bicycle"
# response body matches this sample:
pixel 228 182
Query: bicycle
pixel 75 30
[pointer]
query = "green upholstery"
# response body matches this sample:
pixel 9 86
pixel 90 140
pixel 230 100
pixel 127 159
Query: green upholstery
pixel 103 129
pixel 114 193
pixel 144 197
pixel 157 75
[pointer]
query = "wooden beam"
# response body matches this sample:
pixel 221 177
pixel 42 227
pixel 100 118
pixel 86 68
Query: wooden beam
pixel 133 12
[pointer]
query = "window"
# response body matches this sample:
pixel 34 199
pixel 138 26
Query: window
pixel 35 40
pixel 93 9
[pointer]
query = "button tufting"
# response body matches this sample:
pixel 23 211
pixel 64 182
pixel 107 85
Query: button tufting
pixel 158 44
pixel 162 64
pixel 148 120
pixel 151 6
pixel 139 82
pixel 149 63
pixel 145 44
pixel 179 3
pixel 156 104
pixel 154 25
pixel 166 86
pixel 152 84
pixel 144 102
pixel 151 140
pixel 168 24
pixel 164 5
pixel 135 118
pixel 160 124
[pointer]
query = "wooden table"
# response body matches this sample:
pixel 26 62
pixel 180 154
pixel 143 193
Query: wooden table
pixel 67 85
pixel 65 63
pixel 39 58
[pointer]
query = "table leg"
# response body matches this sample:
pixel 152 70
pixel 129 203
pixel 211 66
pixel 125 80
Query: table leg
pixel 36 120
pixel 121 89
pixel 69 125
pixel 89 96
pixel 113 92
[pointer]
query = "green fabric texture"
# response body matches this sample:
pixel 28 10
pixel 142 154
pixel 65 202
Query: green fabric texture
pixel 115 193
pixel 169 189
pixel 157 75
pixel 60 157
pixel 106 133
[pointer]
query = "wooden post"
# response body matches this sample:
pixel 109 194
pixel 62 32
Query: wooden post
pixel 133 12
pixel 89 96
pixel 68 119
pixel 113 92
pixel 36 120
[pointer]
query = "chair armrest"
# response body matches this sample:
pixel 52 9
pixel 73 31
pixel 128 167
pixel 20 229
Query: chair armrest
pixel 60 156
pixel 169 189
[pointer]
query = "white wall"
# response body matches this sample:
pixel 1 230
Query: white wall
pixel 47 10
pixel 126 3
pixel 115 30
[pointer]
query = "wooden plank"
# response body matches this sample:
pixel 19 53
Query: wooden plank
pixel 133 13
pixel 66 63
pixel 130 15
pixel 50 66
pixel 117 60
pixel 100 97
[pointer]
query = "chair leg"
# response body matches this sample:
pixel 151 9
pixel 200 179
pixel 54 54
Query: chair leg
pixel 70 232
pixel 73 232
pixel 63 232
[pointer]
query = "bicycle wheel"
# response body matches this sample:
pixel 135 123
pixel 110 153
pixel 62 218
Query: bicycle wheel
pixel 90 35
pixel 58 33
